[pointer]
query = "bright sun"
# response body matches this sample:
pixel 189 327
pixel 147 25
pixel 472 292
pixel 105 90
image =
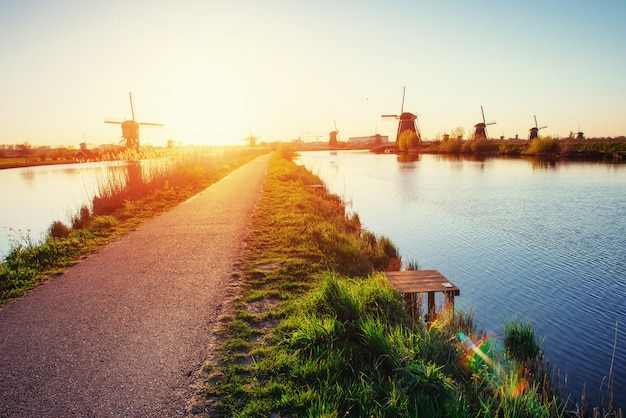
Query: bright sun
pixel 207 107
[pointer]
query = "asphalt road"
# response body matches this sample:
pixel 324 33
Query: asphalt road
pixel 120 333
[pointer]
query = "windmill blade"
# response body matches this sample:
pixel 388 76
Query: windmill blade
pixel 483 112
pixel 390 116
pixel 536 124
pixel 491 123
pixel 402 107
pixel 119 122
pixel 132 109
pixel 543 127
pixel 151 124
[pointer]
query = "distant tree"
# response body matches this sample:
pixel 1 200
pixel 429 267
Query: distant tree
pixel 55 154
pixel 451 145
pixel 42 155
pixel 457 133
pixel 24 151
pixel 68 153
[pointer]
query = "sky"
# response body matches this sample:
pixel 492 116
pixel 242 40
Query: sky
pixel 214 71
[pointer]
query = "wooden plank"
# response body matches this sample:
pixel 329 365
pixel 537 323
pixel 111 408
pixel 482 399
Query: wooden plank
pixel 421 281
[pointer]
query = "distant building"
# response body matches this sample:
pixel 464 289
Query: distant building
pixel 367 140
pixel 84 154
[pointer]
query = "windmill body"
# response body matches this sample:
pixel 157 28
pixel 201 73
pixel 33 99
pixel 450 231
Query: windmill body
pixel 130 128
pixel 480 129
pixel 251 139
pixel 333 141
pixel 406 121
pixel 534 131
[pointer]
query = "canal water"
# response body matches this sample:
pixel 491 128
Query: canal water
pixel 524 239
pixel 34 197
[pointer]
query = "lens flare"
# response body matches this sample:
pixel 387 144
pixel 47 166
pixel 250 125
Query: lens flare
pixel 477 349
pixel 507 377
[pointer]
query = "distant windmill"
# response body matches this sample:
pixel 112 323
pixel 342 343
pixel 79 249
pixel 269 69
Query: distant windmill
pixel 534 132
pixel 407 121
pixel 580 135
pixel 481 127
pixel 334 136
pixel 130 128
pixel 251 139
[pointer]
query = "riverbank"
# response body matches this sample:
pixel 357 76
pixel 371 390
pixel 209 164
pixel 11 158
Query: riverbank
pixel 113 213
pixel 310 336
pixel 13 162
pixel 545 147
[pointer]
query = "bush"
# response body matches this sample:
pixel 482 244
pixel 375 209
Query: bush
pixel 381 252
pixel 408 140
pixel 82 219
pixel 103 224
pixel 287 152
pixel 59 230
pixel 452 146
pixel 545 145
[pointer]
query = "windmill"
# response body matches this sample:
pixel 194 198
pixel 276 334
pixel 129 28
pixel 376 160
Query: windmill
pixel 333 141
pixel 580 136
pixel 251 139
pixel 481 127
pixel 534 132
pixel 130 128
pixel 407 121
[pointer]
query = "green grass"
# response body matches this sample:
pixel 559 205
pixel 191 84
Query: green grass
pixel 317 331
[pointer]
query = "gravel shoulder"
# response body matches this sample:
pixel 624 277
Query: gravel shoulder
pixel 122 332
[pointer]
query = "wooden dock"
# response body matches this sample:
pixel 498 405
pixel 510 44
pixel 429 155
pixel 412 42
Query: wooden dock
pixel 412 283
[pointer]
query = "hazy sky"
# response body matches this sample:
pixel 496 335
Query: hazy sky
pixel 213 70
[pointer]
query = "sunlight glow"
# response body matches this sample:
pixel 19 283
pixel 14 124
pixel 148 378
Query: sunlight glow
pixel 206 106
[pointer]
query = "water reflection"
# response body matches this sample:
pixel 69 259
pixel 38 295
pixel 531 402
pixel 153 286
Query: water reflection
pixel 42 195
pixel 542 164
pixel 70 171
pixel 28 175
pixel 408 158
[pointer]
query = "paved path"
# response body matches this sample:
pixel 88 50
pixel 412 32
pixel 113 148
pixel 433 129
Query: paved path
pixel 120 333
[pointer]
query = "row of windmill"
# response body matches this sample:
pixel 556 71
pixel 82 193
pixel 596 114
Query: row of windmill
pixel 409 121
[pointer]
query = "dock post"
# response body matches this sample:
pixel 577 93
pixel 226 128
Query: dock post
pixel 432 309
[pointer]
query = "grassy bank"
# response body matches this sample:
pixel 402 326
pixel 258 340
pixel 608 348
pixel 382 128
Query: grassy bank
pixel 121 204
pixel 546 147
pixel 314 330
